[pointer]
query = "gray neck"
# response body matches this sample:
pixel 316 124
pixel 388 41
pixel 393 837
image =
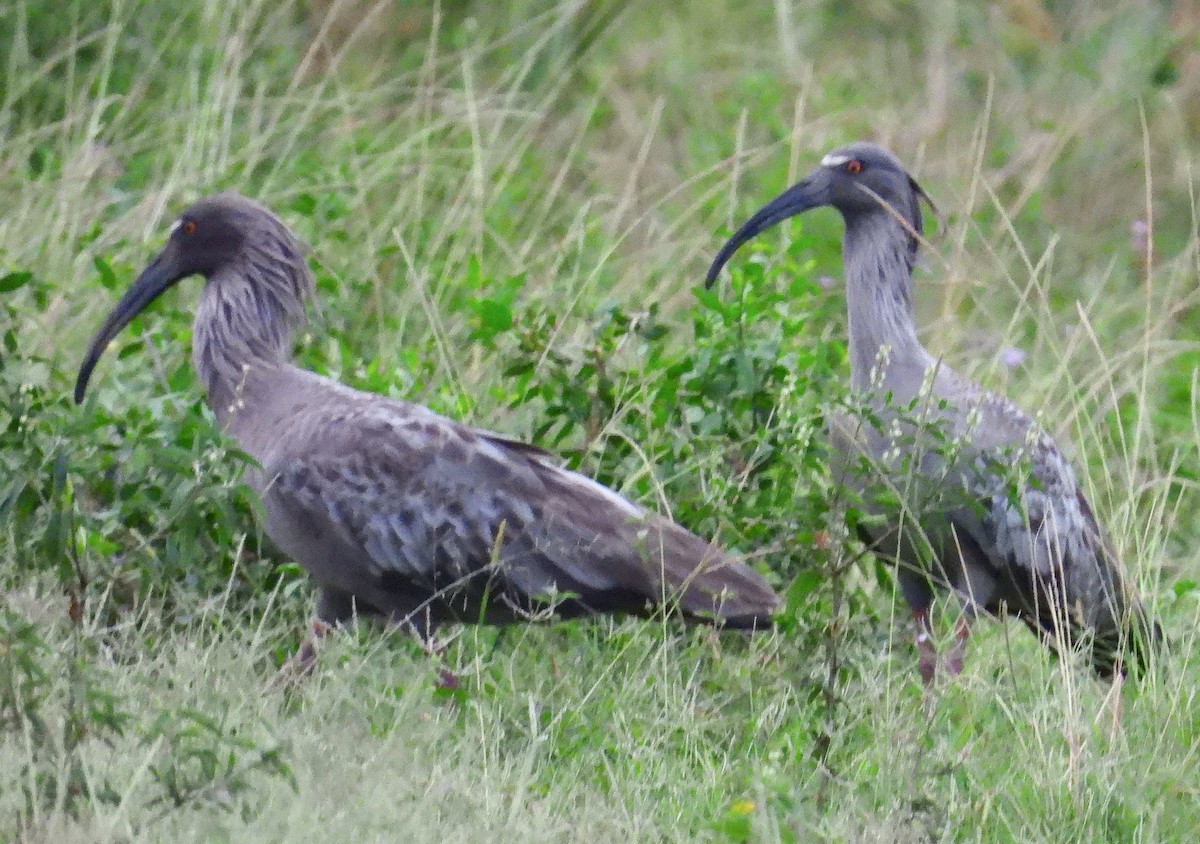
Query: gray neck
pixel 879 255
pixel 241 330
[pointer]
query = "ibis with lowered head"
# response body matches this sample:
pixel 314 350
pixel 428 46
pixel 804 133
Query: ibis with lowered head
pixel 392 509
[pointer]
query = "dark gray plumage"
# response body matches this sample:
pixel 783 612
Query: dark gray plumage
pixel 391 508
pixel 1028 543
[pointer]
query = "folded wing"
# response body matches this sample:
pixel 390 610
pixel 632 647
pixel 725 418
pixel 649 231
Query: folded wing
pixel 425 514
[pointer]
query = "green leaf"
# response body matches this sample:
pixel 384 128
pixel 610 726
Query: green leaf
pixel 806 583
pixel 494 316
pixel 14 281
pixel 304 204
pixel 107 277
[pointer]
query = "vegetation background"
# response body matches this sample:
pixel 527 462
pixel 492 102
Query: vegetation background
pixel 511 205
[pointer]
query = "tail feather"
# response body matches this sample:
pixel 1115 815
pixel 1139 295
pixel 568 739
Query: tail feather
pixel 633 560
pixel 1127 648
pixel 712 586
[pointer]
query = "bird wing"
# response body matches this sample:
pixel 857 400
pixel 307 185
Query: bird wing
pixel 1049 554
pixel 421 502
pixel 1017 517
pixel 1029 515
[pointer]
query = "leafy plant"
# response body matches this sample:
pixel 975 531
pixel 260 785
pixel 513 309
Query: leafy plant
pixel 81 486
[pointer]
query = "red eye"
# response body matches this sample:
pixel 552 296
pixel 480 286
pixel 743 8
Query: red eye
pixel 853 166
pixel 188 227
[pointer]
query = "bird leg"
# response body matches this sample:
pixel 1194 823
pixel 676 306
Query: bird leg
pixel 975 587
pixel 301 663
pixel 962 631
pixel 334 607
pixel 926 649
pixel 419 623
pixel 436 649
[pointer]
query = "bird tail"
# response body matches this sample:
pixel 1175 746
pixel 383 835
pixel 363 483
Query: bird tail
pixel 710 586
pixel 1129 646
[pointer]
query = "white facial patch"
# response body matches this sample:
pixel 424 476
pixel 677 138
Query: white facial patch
pixel 174 226
pixel 832 160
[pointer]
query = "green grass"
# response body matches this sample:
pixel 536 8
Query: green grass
pixel 496 195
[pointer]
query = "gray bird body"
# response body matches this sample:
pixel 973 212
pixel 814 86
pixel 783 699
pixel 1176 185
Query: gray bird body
pixel 393 509
pixel 990 506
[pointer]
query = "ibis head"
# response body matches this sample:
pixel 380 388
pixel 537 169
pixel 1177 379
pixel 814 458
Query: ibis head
pixel 220 235
pixel 861 180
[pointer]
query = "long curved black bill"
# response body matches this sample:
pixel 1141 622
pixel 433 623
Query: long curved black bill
pixel 813 192
pixel 156 278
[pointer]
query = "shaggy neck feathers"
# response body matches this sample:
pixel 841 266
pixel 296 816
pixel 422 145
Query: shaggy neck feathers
pixel 247 312
pixel 879 254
